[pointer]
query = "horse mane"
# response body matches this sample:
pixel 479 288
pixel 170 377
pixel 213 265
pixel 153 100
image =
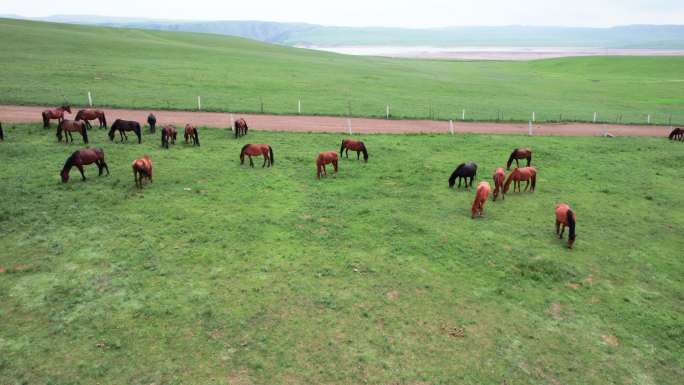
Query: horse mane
pixel 79 114
pixel 365 152
pixel 70 161
pixel 571 223
pixel 510 159
pixel 508 181
pixel 673 133
pixel 242 152
pixel 454 175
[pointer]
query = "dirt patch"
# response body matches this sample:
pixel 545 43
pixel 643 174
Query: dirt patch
pixel 455 332
pixel 2 270
pixel 555 311
pixel 240 377
pixel 589 280
pixel 392 295
pixel 574 286
pixel 610 340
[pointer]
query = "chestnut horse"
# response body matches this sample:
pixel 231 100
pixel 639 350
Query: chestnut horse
pixel 323 159
pixel 125 125
pixel 677 134
pixel 257 150
pixel 56 113
pixel 519 153
pixel 463 172
pixel 481 196
pixel 168 132
pixel 499 177
pixel 81 158
pixel 191 133
pixel 142 168
pixel 566 217
pixel 525 174
pixel 88 115
pixel 69 126
pixel 240 128
pixel 152 121
pixel 354 145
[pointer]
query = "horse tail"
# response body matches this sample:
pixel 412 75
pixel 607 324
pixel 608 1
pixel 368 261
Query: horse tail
pixel 365 152
pixel 138 132
pixel 194 130
pixel 570 217
pixel 270 153
pixel 510 159
pixel 534 179
pixel 85 133
pixel 46 120
pixel 318 168
pixel 104 120
pixel 342 147
pixel 59 130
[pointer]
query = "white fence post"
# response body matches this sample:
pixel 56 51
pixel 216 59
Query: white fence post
pixel 349 126
pixel 534 116
pixel 649 118
pixel 463 115
pixel 595 116
pixel 199 103
pixel 529 130
pixel 451 126
pixel 232 122
pixel 299 106
pixel 90 99
pixel 387 112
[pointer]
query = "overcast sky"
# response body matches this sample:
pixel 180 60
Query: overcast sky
pixel 396 13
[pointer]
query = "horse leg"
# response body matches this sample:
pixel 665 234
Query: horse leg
pixel 265 158
pixel 459 182
pixel 250 161
pixel 347 152
pixel 562 231
pixel 325 172
pixel 80 168
pixel 358 154
pixel 516 162
pixel 557 227
pixel 335 165
pixel 527 185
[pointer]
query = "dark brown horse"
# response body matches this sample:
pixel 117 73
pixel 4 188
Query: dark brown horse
pixel 323 159
pixel 191 134
pixel 152 121
pixel 519 153
pixel 257 150
pixel 463 172
pixel 240 128
pixel 142 168
pixel 677 134
pixel 354 145
pixel 81 158
pixel 525 174
pixel 168 133
pixel 69 126
pixel 90 114
pixel 125 125
pixel 56 113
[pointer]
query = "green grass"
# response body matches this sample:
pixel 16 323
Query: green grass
pixel 43 63
pixel 218 273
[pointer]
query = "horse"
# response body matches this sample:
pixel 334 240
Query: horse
pixel 168 132
pixel 84 157
pixel 354 145
pixel 191 133
pixel 323 159
pixel 481 196
pixel 566 217
pixel 240 128
pixel 69 126
pixel 88 115
pixel 122 126
pixel 463 171
pixel 257 150
pixel 525 174
pixel 152 121
pixel 519 153
pixel 56 113
pixel 677 134
pixel 142 168
pixel 499 177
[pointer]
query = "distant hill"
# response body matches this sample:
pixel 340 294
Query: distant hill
pixel 301 34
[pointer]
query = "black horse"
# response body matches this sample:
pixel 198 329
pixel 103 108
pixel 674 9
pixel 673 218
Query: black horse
pixel 152 121
pixel 677 134
pixel 125 125
pixel 168 133
pixel 240 128
pixel 463 171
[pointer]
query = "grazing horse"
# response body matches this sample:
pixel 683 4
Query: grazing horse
pixel 168 132
pixel 481 196
pixel 519 153
pixel 257 150
pixel 525 174
pixel 566 217
pixel 240 128
pixel 677 134
pixel 125 125
pixel 81 158
pixel 499 177
pixel 142 168
pixel 56 113
pixel 88 115
pixel 191 133
pixel 323 159
pixel 69 126
pixel 463 172
pixel 152 121
pixel 354 145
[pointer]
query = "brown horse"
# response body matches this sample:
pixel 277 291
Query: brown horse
pixel 142 168
pixel 566 217
pixel 525 174
pixel 125 125
pixel 257 150
pixel 191 133
pixel 519 153
pixel 481 196
pixel 323 159
pixel 240 128
pixel 81 158
pixel 499 177
pixel 168 133
pixel 89 114
pixel 354 145
pixel 677 134
pixel 69 126
pixel 55 113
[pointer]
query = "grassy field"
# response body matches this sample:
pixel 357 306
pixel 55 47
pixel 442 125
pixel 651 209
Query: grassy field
pixel 42 63
pixel 218 273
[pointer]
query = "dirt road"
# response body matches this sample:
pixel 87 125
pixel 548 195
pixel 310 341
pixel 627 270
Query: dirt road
pixel 25 114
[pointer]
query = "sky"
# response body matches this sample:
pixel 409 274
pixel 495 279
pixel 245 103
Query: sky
pixel 389 13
